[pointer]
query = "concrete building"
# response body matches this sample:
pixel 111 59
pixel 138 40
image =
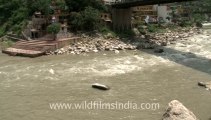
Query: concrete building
pixel 164 12
pixel 106 19
pixel 140 13
pixel 154 12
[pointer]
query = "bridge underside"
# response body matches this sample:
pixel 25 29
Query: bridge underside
pixel 121 12
pixel 132 3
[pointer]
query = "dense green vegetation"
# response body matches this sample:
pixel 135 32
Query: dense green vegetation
pixel 85 14
pixel 15 13
pixel 87 19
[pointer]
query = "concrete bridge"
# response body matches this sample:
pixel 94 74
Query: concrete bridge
pixel 122 12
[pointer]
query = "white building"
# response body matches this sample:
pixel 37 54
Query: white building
pixel 109 2
pixel 164 12
pixel 153 11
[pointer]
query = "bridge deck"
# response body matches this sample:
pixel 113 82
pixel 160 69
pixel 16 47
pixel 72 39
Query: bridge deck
pixel 133 3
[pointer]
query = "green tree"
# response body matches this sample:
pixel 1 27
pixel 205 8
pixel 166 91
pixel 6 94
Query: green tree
pixel 15 13
pixel 39 5
pixel 54 29
pixel 62 5
pixel 91 18
pixel 85 20
pixel 76 21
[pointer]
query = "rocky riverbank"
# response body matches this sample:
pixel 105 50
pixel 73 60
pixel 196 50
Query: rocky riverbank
pixel 90 44
pixel 99 42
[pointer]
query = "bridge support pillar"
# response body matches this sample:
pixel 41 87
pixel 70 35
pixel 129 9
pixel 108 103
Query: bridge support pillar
pixel 121 19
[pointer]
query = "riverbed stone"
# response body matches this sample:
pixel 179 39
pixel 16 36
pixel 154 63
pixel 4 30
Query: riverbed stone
pixel 207 85
pixel 116 51
pixel 95 50
pixel 163 43
pixel 177 111
pixel 108 36
pixel 160 50
pixel 136 31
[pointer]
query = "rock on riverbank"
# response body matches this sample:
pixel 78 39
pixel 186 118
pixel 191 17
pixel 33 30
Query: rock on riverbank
pixel 207 85
pixel 177 111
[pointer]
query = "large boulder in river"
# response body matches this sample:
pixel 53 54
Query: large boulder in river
pixel 177 111
pixel 100 86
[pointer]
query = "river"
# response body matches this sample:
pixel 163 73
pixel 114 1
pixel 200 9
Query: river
pixel 28 85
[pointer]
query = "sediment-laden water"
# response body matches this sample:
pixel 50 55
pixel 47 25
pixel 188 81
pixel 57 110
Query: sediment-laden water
pixel 27 85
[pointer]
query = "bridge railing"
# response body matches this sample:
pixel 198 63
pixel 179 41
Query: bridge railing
pixel 146 2
pixel 125 1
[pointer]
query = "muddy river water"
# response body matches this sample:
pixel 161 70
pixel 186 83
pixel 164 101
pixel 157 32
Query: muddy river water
pixel 28 86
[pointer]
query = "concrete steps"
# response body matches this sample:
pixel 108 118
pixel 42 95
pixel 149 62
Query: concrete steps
pixel 31 48
pixel 35 48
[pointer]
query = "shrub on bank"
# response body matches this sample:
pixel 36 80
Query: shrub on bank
pixel 5 43
pixel 2 31
pixel 107 32
pixel 54 29
pixel 126 34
